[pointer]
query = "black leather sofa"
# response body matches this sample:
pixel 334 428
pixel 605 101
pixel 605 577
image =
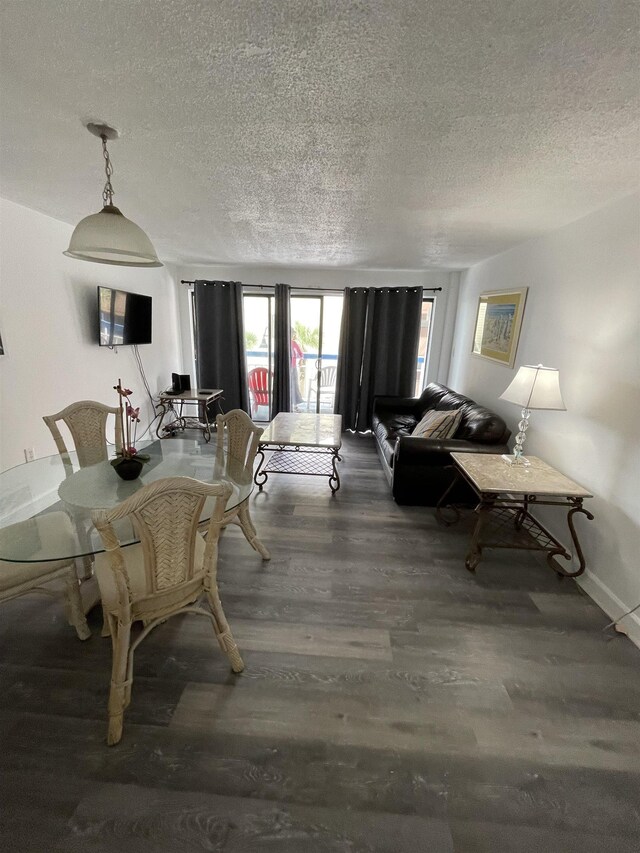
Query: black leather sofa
pixel 418 469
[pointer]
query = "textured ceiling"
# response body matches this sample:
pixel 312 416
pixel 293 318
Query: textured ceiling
pixel 388 133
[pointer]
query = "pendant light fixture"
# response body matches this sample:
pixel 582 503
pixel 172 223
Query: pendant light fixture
pixel 109 237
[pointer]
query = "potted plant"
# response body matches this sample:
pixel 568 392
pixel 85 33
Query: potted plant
pixel 128 462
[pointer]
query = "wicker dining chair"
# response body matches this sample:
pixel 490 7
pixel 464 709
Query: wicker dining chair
pixel 161 576
pixel 236 448
pixel 86 420
pixel 17 579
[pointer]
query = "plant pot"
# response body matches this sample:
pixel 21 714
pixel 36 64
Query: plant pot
pixel 128 468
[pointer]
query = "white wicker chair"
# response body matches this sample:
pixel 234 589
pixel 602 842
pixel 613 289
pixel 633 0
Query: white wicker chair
pixel 18 579
pixel 238 438
pixel 161 576
pixel 87 423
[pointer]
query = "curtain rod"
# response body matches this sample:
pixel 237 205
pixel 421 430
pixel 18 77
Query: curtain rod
pixel 271 286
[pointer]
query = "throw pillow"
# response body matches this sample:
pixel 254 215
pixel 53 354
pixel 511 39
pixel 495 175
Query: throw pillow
pixel 437 424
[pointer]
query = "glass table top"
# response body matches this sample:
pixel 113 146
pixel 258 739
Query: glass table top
pixel 33 490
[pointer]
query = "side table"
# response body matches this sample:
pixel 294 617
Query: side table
pixel 506 494
pixel 175 405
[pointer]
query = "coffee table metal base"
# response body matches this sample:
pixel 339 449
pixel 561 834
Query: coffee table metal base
pixel 292 459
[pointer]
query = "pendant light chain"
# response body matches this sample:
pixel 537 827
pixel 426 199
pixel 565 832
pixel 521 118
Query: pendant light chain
pixel 107 192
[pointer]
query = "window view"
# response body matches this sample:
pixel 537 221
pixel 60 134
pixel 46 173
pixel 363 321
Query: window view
pixel 258 342
pixel 423 345
pixel 315 335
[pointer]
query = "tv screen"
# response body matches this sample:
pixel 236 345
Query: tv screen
pixel 125 318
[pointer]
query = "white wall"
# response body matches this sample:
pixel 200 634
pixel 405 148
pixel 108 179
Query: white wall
pixel 338 279
pixel 583 317
pixel 48 322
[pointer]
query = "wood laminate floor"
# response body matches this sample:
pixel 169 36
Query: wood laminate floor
pixel 391 701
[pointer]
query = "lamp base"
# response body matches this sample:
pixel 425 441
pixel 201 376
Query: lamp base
pixel 516 460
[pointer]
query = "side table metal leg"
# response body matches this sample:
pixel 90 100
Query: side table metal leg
pixel 474 554
pixel 164 412
pixel 442 503
pixel 562 552
pixel 206 431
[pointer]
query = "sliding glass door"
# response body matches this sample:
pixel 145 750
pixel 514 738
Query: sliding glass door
pixel 315 334
pixel 258 343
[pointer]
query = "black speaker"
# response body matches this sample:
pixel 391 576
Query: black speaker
pixel 180 382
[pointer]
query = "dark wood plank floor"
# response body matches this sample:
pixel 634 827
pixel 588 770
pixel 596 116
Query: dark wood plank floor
pixel 391 701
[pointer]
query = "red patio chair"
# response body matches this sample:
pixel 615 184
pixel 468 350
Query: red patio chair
pixel 258 380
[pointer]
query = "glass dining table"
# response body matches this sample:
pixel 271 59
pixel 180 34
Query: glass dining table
pixel 31 490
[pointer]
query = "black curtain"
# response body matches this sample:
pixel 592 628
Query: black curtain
pixel 220 356
pixel 378 349
pixel 281 399
pixel 350 351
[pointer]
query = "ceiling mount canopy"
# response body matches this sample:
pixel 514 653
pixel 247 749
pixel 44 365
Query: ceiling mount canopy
pixel 108 237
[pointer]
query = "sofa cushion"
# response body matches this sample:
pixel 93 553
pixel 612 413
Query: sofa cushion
pixel 438 424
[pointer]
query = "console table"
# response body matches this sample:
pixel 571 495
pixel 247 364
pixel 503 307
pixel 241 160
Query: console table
pixel 506 494
pixel 301 444
pixel 174 404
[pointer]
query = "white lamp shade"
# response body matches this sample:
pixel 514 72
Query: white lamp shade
pixel 536 388
pixel 109 237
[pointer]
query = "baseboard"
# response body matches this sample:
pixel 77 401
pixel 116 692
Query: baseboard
pixel 611 604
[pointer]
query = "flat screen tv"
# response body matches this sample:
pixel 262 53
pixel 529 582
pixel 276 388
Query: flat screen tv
pixel 125 318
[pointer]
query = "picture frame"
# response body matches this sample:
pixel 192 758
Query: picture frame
pixel 1 346
pixel 498 322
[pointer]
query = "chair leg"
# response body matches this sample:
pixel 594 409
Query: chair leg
pixel 223 631
pixel 76 613
pixel 120 688
pixel 251 535
pixel 106 629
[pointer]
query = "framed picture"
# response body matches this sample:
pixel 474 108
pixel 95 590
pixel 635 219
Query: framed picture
pixel 498 324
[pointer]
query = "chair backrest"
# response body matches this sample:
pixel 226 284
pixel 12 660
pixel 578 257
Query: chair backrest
pixel 238 436
pixel 258 381
pixel 165 516
pixel 87 423
pixel 328 376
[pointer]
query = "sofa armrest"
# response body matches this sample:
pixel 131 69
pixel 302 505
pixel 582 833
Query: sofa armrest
pixel 397 405
pixel 423 469
pixel 413 450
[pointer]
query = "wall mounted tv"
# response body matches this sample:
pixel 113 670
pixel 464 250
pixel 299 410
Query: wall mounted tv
pixel 125 318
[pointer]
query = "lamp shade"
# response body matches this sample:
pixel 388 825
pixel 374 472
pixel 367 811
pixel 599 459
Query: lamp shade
pixel 535 387
pixel 109 237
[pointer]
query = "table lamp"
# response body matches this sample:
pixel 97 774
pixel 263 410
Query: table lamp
pixel 533 387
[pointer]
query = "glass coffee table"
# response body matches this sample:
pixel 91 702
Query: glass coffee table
pixel 301 443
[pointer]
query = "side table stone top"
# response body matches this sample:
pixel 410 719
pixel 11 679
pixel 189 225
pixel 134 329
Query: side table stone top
pixel 490 473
